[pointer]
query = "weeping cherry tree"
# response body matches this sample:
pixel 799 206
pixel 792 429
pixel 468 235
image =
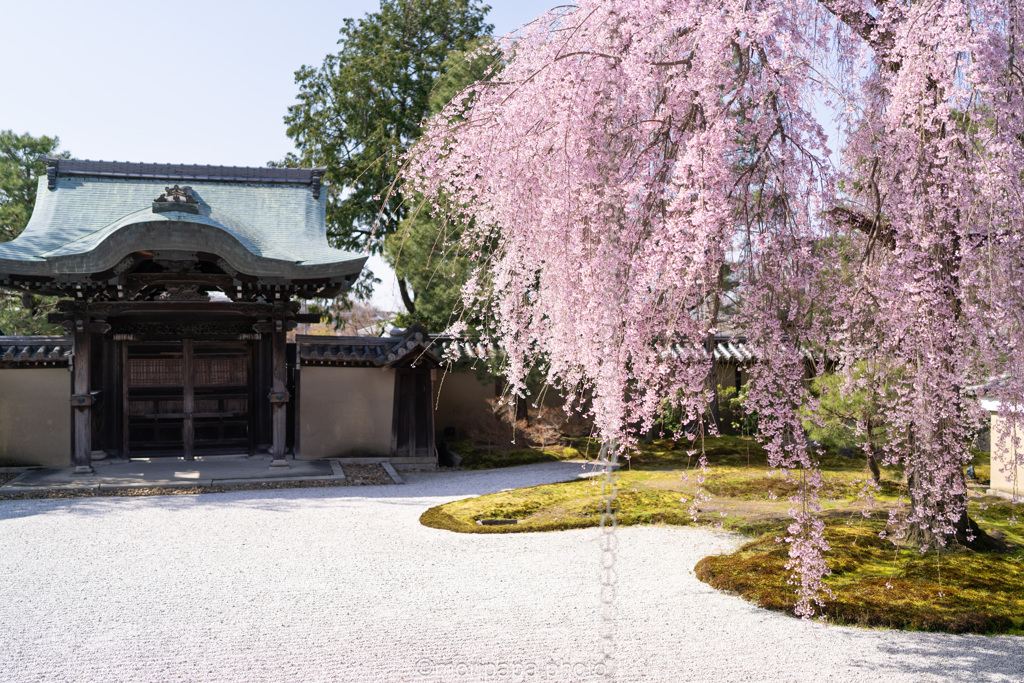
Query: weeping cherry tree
pixel 626 149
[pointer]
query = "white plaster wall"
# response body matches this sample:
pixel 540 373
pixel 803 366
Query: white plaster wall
pixel 345 412
pixel 1002 455
pixel 35 417
pixel 460 399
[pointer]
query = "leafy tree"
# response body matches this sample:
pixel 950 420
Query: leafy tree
pixel 426 250
pixel 851 410
pixel 20 167
pixel 604 166
pixel 357 113
pixel 25 314
pixel 425 253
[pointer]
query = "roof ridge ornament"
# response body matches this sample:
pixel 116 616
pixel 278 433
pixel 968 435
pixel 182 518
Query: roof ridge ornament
pixel 176 199
pixel 315 178
pixel 51 174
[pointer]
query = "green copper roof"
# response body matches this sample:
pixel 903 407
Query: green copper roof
pixel 262 222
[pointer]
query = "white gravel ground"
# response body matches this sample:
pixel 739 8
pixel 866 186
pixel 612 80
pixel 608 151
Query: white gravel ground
pixel 344 584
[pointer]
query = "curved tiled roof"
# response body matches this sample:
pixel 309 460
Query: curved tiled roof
pixel 184 172
pixel 364 351
pixel 726 349
pixel 323 350
pixel 343 350
pixel 264 222
pixel 35 351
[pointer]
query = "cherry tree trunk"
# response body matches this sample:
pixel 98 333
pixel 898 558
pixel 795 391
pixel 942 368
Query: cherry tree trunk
pixel 876 472
pixel 922 533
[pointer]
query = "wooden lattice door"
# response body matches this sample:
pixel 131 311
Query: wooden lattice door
pixel 412 428
pixel 186 398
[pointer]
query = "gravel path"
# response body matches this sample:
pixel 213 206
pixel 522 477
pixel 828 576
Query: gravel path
pixel 344 584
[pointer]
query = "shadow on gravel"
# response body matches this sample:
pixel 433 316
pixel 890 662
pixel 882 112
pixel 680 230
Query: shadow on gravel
pixel 421 490
pixel 953 657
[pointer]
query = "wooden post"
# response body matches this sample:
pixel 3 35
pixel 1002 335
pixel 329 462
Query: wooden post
pixel 125 403
pixel 296 418
pixel 81 399
pixel 279 392
pixel 188 407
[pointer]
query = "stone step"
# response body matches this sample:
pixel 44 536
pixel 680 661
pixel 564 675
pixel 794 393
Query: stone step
pixel 426 461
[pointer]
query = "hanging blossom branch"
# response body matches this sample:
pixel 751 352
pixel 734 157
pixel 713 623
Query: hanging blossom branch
pixel 628 148
pixel 935 160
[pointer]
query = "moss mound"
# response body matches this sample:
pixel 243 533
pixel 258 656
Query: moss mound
pixel 877 586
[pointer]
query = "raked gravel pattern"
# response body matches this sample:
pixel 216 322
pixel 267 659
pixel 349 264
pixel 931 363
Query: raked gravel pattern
pixel 344 584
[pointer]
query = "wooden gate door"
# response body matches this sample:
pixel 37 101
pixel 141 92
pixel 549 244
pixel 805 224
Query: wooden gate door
pixel 187 398
pixel 412 427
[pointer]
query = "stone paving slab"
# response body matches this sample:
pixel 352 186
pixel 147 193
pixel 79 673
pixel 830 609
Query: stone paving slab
pixel 171 472
pixel 392 473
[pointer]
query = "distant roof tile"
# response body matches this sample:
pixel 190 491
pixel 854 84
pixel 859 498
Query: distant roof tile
pixel 35 350
pixel 185 172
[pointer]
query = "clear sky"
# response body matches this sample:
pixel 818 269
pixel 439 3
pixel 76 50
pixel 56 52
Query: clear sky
pixel 183 82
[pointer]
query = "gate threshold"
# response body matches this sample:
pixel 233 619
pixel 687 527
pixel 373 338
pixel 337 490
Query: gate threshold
pixel 178 473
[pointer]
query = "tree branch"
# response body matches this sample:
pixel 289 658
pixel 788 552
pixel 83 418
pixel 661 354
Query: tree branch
pixel 878 231
pixel 861 23
pixel 403 289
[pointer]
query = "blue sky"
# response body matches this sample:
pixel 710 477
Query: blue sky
pixel 184 82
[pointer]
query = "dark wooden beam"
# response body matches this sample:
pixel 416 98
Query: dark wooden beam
pixel 213 281
pixel 188 432
pixel 279 392
pixel 123 348
pixel 81 399
pixel 111 309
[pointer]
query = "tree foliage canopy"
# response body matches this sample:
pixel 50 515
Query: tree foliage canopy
pixel 850 410
pixel 629 147
pixel 20 168
pixel 357 113
pixel 426 250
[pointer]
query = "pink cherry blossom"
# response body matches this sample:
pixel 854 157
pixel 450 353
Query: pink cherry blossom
pixel 626 149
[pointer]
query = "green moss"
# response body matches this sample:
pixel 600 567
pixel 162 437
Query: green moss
pixel 982 462
pixel 553 507
pixel 477 458
pixel 876 585
pixel 722 451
